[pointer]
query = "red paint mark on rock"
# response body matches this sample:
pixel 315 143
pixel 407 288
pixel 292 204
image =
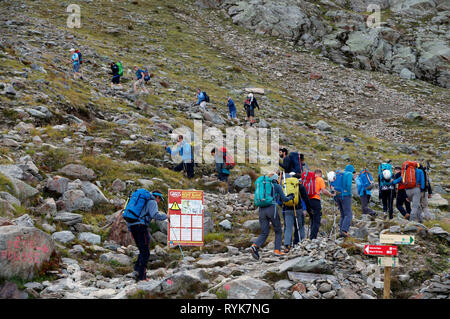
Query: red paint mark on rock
pixel 226 287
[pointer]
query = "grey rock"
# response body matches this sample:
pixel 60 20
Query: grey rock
pixel 94 193
pixel 323 126
pixel 305 264
pixel 24 221
pixel 76 200
pixel 225 224
pixel 64 236
pixel 78 171
pixel 90 238
pixel 253 225
pixel 68 219
pixel 244 181
pixel 246 287
pixel 407 74
pixel 122 259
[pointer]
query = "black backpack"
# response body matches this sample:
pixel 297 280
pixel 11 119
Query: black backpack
pixel 206 97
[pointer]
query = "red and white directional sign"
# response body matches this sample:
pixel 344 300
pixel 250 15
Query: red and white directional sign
pixel 380 250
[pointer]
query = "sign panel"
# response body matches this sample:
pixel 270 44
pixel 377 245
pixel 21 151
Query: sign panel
pixel 380 250
pixel 185 218
pixel 388 262
pixel 396 239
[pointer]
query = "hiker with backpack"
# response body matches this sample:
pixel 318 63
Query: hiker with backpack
pixel 386 188
pixel 187 156
pixel 315 186
pixel 116 71
pixel 413 180
pixel 224 163
pixel 249 105
pixel 141 75
pixel 231 109
pixel 294 162
pixel 141 208
pixel 342 184
pixel 75 60
pixel 294 212
pixel 267 194
pixel 203 98
pixel 402 198
pixel 364 184
pixel 426 193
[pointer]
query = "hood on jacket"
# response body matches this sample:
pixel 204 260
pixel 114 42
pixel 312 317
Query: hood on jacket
pixel 350 168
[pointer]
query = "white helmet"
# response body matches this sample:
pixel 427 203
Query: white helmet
pixel 331 176
pixel 387 174
pixel 250 95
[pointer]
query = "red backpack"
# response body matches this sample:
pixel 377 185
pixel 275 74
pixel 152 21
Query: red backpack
pixel 409 174
pixel 309 181
pixel 228 159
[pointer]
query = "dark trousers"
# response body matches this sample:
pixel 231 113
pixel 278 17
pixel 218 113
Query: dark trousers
pixel 316 217
pixel 188 167
pixel 401 199
pixel 142 239
pixel 223 177
pixel 387 198
pixel 269 215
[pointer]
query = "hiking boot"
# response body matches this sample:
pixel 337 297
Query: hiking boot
pixel 254 251
pixel 279 253
pixel 407 216
pixel 287 249
pixel 384 215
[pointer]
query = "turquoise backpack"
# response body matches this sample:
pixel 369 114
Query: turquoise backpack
pixel 381 168
pixel 263 192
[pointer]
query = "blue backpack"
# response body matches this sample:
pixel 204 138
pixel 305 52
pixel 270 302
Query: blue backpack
pixel 366 180
pixel 146 75
pixel 136 202
pixel 338 184
pixel 295 158
pixel 263 192
pixel 381 168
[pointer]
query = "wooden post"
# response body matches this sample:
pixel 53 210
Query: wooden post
pixel 387 282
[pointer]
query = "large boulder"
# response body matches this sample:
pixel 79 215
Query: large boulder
pixel 64 236
pixel 93 192
pixel 75 199
pixel 23 250
pixel 68 219
pixel 246 287
pixel 119 232
pixel 244 181
pixel 305 264
pixel 78 171
pixel 58 184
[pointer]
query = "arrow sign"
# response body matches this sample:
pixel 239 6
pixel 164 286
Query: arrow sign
pixel 388 262
pixel 43 248
pixel 396 239
pixel 380 250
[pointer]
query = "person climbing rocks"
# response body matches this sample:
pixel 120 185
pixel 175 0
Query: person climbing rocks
pixel 414 181
pixel 386 189
pixel 139 229
pixel 202 99
pixel 249 105
pixel 364 184
pixel 224 162
pixel 186 153
pixel 75 60
pixel 426 193
pixel 315 202
pixel 401 199
pixel 269 215
pixel 231 109
pixel 140 82
pixel 343 187
pixel 115 81
pixel 294 162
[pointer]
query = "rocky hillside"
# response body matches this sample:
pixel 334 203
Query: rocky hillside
pixel 71 150
pixel 411 37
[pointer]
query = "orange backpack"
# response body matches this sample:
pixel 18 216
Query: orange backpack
pixel 409 174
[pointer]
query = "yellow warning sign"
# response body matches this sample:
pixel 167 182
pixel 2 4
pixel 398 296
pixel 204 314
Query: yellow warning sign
pixel 175 206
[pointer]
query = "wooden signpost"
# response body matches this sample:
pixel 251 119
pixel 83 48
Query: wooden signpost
pixel 388 262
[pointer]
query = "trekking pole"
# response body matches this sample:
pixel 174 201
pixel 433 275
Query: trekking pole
pixel 298 229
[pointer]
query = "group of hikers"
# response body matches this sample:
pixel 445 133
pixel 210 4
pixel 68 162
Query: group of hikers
pixel 298 191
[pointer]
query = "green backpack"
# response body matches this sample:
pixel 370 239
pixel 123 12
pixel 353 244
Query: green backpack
pixel 263 192
pixel 119 65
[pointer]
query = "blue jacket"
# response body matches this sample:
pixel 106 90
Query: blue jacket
pixel 139 74
pixel 185 150
pixel 231 105
pixel 347 181
pixel 149 212
pixel 201 97
pixel 360 188
pixel 420 179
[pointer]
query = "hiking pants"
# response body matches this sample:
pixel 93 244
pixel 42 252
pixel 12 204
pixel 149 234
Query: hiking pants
pixel 316 217
pixel 290 224
pixel 365 199
pixel 387 197
pixel 188 167
pixel 414 196
pixel 142 239
pixel 269 215
pixel 344 204
pixel 401 199
pixel 424 205
pixel 203 106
